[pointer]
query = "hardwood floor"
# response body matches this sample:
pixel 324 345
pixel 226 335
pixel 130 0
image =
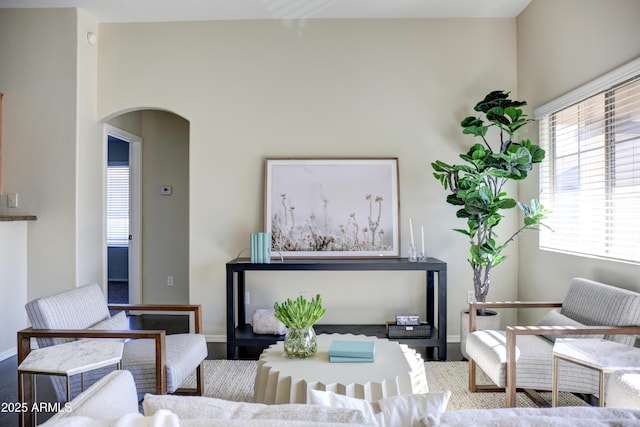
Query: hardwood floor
pixel 172 324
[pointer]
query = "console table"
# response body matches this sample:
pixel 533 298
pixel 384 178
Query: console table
pixel 240 334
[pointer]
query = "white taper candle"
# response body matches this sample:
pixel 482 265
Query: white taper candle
pixel 411 231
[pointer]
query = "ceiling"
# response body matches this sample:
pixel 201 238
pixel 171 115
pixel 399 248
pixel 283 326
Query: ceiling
pixel 205 10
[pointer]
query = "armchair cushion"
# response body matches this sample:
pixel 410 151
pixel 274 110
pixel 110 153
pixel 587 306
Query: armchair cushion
pixel 534 365
pixel 597 304
pixel 55 311
pixel 183 351
pixel 555 318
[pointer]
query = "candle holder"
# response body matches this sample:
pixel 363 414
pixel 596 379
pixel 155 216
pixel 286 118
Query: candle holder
pixel 422 257
pixel 413 254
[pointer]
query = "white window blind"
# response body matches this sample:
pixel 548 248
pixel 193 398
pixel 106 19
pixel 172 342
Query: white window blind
pixel 118 206
pixel 590 178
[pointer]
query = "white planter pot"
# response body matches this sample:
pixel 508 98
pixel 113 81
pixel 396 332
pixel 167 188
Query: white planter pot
pixel 491 320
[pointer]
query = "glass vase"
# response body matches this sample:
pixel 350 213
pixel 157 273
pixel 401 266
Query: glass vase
pixel 300 343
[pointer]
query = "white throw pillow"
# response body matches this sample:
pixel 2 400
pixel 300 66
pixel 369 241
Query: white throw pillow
pixel 328 398
pixel 555 318
pixel 394 411
pixel 409 409
pixel 208 407
pixel 117 322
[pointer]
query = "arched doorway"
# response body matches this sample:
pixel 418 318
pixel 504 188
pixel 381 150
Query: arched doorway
pixel 161 241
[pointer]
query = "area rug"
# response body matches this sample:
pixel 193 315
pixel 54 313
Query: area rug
pixel 227 379
pixel 454 376
pixel 233 380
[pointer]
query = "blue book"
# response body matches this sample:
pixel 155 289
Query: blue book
pixel 267 248
pixel 254 247
pixel 353 349
pixel 260 258
pixel 340 359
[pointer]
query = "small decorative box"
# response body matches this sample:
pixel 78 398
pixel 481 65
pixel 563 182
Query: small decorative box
pixel 422 330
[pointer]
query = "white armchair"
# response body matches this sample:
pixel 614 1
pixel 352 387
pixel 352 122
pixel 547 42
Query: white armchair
pixel 158 362
pixel 521 356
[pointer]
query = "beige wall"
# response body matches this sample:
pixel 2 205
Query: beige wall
pixel 556 55
pixel 130 122
pixel 91 154
pixel 253 89
pixel 13 283
pixel 38 77
pixel 165 225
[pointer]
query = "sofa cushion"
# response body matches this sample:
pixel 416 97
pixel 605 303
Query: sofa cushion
pixel 536 417
pixel 111 397
pixel 208 407
pixel 404 410
pixel 623 390
pixel 165 418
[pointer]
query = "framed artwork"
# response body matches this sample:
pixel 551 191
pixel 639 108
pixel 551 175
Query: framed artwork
pixel 332 207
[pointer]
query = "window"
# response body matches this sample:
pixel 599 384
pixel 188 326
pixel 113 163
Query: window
pixel 590 178
pixel 118 206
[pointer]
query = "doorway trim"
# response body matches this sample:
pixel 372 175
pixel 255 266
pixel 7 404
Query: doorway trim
pixel 135 213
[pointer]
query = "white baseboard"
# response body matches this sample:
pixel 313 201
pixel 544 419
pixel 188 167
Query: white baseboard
pixel 216 338
pixel 223 338
pixel 8 353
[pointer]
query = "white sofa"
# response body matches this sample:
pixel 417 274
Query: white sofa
pixel 623 390
pixel 112 401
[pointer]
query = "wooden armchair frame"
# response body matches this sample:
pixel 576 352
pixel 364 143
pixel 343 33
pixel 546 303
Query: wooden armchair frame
pixel 25 335
pixel 513 331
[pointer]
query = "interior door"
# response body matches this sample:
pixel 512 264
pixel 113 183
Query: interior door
pixel 123 216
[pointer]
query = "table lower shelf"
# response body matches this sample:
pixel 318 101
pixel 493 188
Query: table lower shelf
pixel 244 336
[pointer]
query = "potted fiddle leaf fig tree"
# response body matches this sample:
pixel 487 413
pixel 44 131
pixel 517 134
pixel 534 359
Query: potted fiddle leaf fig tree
pixel 478 186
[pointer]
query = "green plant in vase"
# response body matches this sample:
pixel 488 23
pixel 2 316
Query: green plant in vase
pixel 299 316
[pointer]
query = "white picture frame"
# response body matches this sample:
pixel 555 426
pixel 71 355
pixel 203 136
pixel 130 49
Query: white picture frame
pixel 332 207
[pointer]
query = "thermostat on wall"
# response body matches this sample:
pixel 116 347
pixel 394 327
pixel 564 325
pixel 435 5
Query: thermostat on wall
pixel 165 190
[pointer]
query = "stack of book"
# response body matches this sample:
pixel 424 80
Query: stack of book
pixel 344 351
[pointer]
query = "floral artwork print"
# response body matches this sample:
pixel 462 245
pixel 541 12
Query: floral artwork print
pixel 343 207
